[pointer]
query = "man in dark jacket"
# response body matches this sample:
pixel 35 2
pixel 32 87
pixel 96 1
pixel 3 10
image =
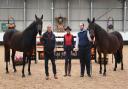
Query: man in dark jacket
pixel 68 48
pixel 83 44
pixel 49 41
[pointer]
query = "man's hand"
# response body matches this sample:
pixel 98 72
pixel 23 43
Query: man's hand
pixel 71 52
pixel 54 49
pixel 64 53
pixel 76 49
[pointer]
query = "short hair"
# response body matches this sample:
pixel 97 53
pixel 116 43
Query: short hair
pixel 49 25
pixel 82 24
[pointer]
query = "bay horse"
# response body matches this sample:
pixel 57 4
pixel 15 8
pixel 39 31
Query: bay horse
pixel 107 43
pixel 23 42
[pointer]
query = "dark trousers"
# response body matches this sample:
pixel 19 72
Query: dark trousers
pixel 68 62
pixel 47 56
pixel 84 55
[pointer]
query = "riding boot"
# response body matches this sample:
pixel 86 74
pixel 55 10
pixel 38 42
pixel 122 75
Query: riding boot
pixel 66 68
pixel 69 69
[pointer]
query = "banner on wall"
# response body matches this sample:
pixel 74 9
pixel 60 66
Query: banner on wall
pixel 60 23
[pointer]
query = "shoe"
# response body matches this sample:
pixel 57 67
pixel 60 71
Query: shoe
pixel 55 76
pixel 47 77
pixel 69 75
pixel 81 75
pixel 89 75
pixel 65 75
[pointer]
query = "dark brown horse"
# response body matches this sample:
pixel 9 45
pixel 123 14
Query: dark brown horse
pixel 107 43
pixel 23 42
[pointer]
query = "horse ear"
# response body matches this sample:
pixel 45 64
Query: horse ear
pixel 93 20
pixel 41 17
pixel 88 20
pixel 36 17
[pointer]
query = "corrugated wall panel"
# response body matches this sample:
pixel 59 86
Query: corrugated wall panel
pixel 79 11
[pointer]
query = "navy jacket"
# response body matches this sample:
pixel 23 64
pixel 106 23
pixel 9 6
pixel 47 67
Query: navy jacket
pixel 83 39
pixel 49 41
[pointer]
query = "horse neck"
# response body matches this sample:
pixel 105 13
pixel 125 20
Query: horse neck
pixel 31 30
pixel 100 33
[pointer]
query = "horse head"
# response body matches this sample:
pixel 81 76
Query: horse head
pixel 91 27
pixel 39 24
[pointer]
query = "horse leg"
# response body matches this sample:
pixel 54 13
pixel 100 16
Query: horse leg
pixel 115 63
pixel 24 59
pixel 34 54
pixel 100 63
pixel 29 65
pixel 35 61
pixel 121 55
pixel 7 56
pixel 105 62
pixel 95 55
pixel 7 68
pixel 33 57
pixel 13 55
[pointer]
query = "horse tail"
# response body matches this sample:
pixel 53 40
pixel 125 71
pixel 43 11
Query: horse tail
pixel 118 56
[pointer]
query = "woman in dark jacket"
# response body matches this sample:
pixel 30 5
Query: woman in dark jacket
pixel 68 48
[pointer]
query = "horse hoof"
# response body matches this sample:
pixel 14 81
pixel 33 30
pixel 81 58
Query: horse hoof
pixel 29 73
pixel 23 76
pixel 35 62
pixel 15 71
pixel 122 68
pixel 104 74
pixel 100 72
pixel 7 72
pixel 114 69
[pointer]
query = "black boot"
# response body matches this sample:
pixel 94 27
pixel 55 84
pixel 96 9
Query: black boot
pixel 66 68
pixel 69 69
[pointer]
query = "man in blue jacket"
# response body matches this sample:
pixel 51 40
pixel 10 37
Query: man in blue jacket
pixel 83 46
pixel 49 41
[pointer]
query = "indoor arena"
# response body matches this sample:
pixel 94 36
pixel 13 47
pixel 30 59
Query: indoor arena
pixel 63 44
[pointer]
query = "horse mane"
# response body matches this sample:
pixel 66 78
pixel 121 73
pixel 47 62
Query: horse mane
pixel 99 29
pixel 30 27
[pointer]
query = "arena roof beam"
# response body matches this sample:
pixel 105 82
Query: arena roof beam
pixel 25 13
pixel 52 8
pixel 68 12
pixel 91 9
pixel 124 14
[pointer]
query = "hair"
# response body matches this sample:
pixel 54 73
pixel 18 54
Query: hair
pixel 82 24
